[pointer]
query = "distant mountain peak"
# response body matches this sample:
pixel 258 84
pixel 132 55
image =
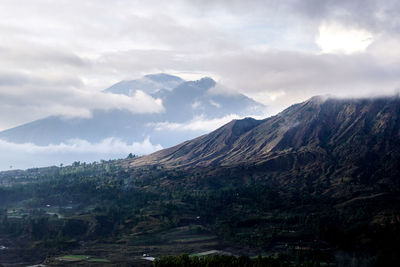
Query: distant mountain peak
pixel 206 82
pixel 150 84
pixel 154 83
pixel 203 84
pixel 163 77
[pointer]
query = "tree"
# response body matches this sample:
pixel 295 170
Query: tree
pixel 131 156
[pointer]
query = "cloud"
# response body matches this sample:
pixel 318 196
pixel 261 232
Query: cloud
pixel 106 146
pixel 198 124
pixel 55 58
pixel 196 104
pixel 336 38
pixel 28 155
pixel 220 89
pixel 291 76
pixel 36 102
pixel 374 15
pixel 215 104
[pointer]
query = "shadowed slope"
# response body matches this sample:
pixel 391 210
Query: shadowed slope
pixel 325 135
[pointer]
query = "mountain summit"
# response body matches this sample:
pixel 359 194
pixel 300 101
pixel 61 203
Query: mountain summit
pixel 150 84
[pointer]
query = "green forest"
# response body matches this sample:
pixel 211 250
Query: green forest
pixel 81 208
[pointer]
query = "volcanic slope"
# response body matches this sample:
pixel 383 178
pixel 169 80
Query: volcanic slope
pixel 321 137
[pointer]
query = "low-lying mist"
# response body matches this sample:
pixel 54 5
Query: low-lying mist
pixel 28 155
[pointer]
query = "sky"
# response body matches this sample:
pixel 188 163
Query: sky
pixel 57 56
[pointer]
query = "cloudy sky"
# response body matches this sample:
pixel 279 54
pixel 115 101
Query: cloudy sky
pixel 57 56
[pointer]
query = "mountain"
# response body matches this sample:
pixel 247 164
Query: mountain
pixel 150 83
pixel 178 102
pixel 184 102
pixel 317 184
pixel 326 139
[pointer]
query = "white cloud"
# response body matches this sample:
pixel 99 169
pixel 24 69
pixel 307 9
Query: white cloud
pixel 33 103
pixel 107 146
pixel 200 124
pixel 196 104
pixel 337 38
pixel 139 102
pixel 220 89
pixel 268 96
pixel 215 104
pixel 28 155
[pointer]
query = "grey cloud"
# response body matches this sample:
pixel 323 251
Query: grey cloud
pixel 375 15
pixel 53 52
pixel 372 14
pixel 18 79
pixel 39 56
pixel 13 79
pixel 174 35
pixel 302 75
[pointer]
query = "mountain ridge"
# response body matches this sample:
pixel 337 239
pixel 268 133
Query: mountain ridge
pixel 334 138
